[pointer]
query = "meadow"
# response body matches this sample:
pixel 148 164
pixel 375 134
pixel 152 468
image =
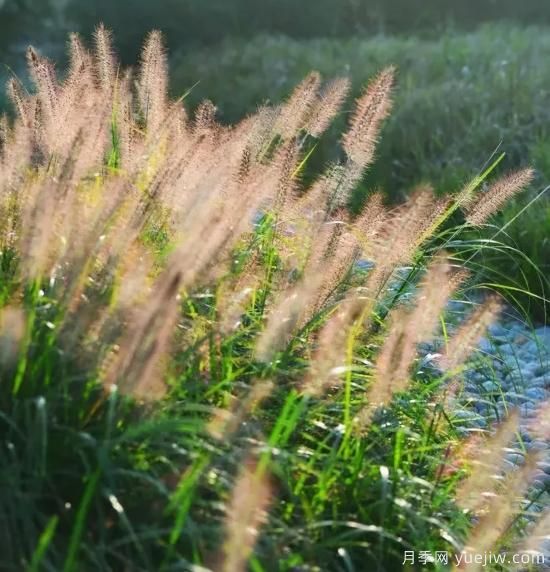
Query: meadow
pixel 210 350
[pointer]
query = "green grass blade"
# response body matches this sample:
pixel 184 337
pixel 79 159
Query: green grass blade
pixel 43 543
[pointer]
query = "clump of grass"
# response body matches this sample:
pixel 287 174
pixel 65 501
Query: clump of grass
pixel 195 369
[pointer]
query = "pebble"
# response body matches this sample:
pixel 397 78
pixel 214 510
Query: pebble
pixel 497 330
pixel 486 346
pixel 536 393
pixel 491 387
pixel 539 382
pixel 515 458
pixel 538 445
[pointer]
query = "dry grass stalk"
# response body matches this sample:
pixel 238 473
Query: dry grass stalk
pixel 246 513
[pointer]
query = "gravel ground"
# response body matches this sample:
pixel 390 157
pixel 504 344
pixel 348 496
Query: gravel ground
pixel 510 370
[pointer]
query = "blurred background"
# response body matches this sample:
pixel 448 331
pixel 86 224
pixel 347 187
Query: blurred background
pixel 474 79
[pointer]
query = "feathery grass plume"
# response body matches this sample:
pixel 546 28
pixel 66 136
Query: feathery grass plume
pixel 328 104
pixel 92 147
pixel 340 181
pixel 16 153
pixel 294 112
pixel 104 56
pixel 462 344
pixel 286 163
pixel 286 314
pixel 371 109
pixel 245 515
pixel 501 191
pixel 398 238
pixel 79 56
pixel 487 463
pixel 393 362
pixel 370 220
pixel 359 142
pixel 70 117
pixel 16 94
pixel 332 251
pixel 43 75
pixel 129 141
pixel 17 146
pixel 12 330
pixel 153 81
pixel 232 301
pixel 4 132
pixel 333 254
pixel 338 261
pixel 37 227
pixel 408 327
pixel 205 118
pixel 436 289
pixel 327 364
pixel 327 234
pixel 459 455
pixel 395 244
pixel 500 511
pixel 304 221
pixel 147 343
pixel 405 229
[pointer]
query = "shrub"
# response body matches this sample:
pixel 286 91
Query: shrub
pixel 189 342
